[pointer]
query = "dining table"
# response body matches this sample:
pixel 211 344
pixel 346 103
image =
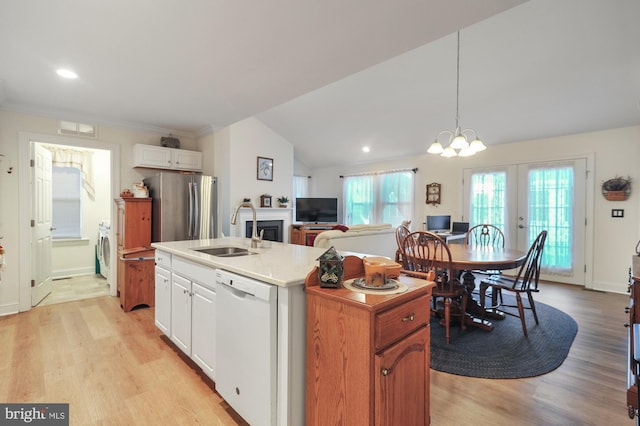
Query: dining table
pixel 465 259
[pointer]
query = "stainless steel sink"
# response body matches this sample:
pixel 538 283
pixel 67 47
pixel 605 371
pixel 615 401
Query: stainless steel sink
pixel 224 251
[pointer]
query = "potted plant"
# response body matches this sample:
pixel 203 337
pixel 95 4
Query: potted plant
pixel 616 189
pixel 283 201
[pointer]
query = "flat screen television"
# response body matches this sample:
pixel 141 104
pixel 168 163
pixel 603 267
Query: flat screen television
pixel 317 210
pixel 439 223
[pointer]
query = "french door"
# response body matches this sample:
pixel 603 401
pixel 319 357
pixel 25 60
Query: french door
pixel 524 199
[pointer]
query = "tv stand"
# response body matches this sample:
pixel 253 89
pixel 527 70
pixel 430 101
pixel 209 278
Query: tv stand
pixel 301 232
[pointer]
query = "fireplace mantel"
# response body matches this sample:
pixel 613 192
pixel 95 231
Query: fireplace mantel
pixel 264 213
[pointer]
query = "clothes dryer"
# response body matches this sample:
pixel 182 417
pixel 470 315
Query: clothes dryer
pixel 104 248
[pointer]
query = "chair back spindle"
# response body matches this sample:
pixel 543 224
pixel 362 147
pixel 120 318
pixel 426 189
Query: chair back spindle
pixel 485 235
pixel 529 273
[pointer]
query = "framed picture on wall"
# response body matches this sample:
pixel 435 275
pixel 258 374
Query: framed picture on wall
pixel 265 168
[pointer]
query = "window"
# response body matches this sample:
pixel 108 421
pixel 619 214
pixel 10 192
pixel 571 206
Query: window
pixel 378 198
pixel 300 187
pixel 67 202
pixel 300 190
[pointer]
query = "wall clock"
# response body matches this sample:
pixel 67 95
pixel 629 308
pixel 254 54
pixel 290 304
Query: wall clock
pixel 433 193
pixel 265 200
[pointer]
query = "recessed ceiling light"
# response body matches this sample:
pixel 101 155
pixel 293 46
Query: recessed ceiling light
pixel 365 149
pixel 62 72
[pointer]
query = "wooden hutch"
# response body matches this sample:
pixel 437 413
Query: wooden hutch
pixel 136 260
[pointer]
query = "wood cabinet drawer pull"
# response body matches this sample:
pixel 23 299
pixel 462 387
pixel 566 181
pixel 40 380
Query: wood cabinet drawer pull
pixel 386 371
pixel 410 317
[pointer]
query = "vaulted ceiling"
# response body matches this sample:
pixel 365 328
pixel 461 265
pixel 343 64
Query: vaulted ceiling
pixel 330 76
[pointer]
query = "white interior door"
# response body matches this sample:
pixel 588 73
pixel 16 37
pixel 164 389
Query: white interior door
pixel 41 213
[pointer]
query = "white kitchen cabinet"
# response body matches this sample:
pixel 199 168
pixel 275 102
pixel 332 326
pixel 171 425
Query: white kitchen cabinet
pixel 158 157
pixel 163 292
pixel 163 300
pixel 203 326
pixel 181 312
pixel 193 312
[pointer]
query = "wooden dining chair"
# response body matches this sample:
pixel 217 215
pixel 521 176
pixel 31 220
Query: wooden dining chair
pixel 427 256
pixel 484 235
pixel 525 282
pixel 401 232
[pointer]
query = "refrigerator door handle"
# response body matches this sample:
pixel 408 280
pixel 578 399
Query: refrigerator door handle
pixel 191 213
pixel 196 210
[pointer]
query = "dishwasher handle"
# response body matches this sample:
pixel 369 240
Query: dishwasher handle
pixel 237 287
pixel 246 286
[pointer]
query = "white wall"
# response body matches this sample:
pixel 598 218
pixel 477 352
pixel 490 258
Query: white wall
pixel 616 152
pixel 14 286
pixel 237 148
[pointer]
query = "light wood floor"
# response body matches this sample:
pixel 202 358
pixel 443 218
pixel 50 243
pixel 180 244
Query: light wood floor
pixel 114 369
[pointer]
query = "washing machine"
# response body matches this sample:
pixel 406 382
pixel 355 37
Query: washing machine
pixel 104 248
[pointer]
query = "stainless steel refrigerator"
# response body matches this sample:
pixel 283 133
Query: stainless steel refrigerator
pixel 185 206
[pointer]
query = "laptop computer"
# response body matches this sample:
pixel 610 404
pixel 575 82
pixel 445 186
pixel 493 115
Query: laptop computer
pixel 458 228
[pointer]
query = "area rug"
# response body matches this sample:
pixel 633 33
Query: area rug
pixel 504 352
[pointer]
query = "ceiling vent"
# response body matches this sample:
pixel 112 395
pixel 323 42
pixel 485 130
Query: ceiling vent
pixel 77 129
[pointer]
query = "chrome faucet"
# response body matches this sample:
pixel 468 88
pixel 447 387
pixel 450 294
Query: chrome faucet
pixel 254 236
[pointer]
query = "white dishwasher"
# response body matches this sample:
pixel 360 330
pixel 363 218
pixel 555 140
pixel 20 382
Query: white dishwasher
pixel 246 333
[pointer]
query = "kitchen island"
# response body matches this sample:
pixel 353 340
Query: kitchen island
pixel 186 291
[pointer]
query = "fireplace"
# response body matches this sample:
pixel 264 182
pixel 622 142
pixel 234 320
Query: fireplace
pixel 273 229
pixel 264 214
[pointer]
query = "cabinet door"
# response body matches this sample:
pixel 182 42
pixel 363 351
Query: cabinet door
pixel 181 313
pixel 152 156
pixel 203 329
pixel 402 381
pixel 163 300
pixel 187 160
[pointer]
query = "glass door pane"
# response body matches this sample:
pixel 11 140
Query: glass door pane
pixel 551 197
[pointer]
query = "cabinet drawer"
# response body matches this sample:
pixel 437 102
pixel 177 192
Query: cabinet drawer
pixel 197 272
pixel 163 259
pixel 398 322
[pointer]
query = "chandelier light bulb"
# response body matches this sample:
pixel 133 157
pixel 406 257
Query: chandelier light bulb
pixel 449 152
pixel 466 152
pixel 477 145
pixel 435 148
pixel 459 142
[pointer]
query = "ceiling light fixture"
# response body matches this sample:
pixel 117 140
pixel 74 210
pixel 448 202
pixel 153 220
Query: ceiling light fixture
pixel 365 149
pixel 459 139
pixel 62 72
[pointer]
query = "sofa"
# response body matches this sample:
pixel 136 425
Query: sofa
pixel 376 239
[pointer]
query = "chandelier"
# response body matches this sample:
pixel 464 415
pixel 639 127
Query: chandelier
pixel 458 143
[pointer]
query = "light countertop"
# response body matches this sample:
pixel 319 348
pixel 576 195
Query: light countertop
pixel 279 264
